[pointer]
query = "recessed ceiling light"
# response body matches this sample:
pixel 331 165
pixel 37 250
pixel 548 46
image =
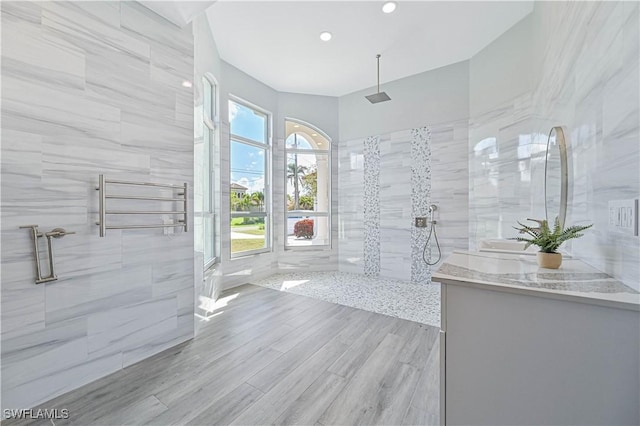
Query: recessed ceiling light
pixel 314 134
pixel 187 83
pixel 296 126
pixel 325 36
pixel 389 6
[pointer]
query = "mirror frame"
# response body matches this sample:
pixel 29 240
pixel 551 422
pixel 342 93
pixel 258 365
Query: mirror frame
pixel 564 175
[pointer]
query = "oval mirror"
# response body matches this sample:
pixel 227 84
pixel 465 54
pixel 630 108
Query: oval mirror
pixel 556 177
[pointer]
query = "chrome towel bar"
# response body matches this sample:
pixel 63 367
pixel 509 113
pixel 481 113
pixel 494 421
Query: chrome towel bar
pixel 143 212
pixel 181 197
pixel 159 185
pixel 133 197
pixel 35 234
pixel 171 225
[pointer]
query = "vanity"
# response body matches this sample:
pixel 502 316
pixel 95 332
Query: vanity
pixel 526 345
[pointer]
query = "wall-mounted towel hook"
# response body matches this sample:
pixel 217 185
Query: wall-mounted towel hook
pixel 35 234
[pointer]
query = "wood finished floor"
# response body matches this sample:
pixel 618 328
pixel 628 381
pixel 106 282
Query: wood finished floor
pixel 269 357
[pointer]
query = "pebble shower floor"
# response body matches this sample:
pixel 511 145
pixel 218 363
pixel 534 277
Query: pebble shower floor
pixel 400 299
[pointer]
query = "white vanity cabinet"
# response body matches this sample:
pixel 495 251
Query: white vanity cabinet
pixel 531 346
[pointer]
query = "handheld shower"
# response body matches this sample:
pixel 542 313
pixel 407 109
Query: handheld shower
pixel 432 231
pixel 432 211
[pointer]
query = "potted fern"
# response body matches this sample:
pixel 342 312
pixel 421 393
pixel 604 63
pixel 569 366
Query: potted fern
pixel 548 240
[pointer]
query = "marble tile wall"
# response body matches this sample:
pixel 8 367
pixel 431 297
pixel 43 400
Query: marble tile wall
pixel 408 181
pixel 449 185
pixel 506 159
pixel 396 194
pixel 597 86
pixel 90 88
pixel 586 79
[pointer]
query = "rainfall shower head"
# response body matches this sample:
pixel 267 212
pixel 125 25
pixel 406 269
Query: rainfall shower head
pixel 380 96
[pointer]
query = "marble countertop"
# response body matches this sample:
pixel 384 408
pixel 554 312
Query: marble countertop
pixel 575 280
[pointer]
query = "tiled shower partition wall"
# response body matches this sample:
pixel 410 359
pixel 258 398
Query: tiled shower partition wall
pixel 421 238
pixel 403 193
pixel 90 88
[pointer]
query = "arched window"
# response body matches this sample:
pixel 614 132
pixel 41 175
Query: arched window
pixel 308 174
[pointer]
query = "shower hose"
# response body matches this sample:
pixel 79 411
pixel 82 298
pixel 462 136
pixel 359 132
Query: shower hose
pixel 432 231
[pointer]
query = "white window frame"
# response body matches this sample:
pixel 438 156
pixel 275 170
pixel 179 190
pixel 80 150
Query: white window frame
pixel 326 214
pixel 211 124
pixel 267 145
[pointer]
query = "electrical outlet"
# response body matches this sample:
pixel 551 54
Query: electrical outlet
pixel 623 216
pixel 421 222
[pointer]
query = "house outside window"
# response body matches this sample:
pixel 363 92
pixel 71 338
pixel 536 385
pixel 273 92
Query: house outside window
pixel 250 158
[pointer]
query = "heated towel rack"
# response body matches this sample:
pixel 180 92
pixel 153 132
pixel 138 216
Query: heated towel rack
pixel 181 196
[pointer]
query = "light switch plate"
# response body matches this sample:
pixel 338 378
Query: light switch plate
pixel 623 216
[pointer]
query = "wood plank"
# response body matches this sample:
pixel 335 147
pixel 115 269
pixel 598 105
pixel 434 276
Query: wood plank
pixel 268 408
pixel 224 410
pixel 315 325
pixel 419 344
pixel 357 403
pixel 309 406
pixel 142 411
pixel 340 366
pixel 266 379
pixel 424 408
pixel 363 346
pixel 359 321
pixel 394 395
pixel 242 362
pixel 187 403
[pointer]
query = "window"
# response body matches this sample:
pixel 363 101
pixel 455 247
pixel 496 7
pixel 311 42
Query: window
pixel 206 143
pixel 250 159
pixel 308 186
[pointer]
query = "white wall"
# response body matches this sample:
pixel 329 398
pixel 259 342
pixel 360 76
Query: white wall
pixel 90 88
pixel 431 97
pixel 321 111
pixel 503 70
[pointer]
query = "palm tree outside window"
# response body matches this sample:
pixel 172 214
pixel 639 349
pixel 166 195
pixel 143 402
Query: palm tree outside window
pixel 308 185
pixel 250 157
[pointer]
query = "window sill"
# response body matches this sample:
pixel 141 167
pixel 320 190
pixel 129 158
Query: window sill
pixel 244 255
pixel 212 266
pixel 325 247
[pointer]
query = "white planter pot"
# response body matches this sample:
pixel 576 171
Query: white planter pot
pixel 549 260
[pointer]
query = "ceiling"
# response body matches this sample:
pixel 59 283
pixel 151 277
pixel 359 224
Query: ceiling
pixel 180 12
pixel 277 42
